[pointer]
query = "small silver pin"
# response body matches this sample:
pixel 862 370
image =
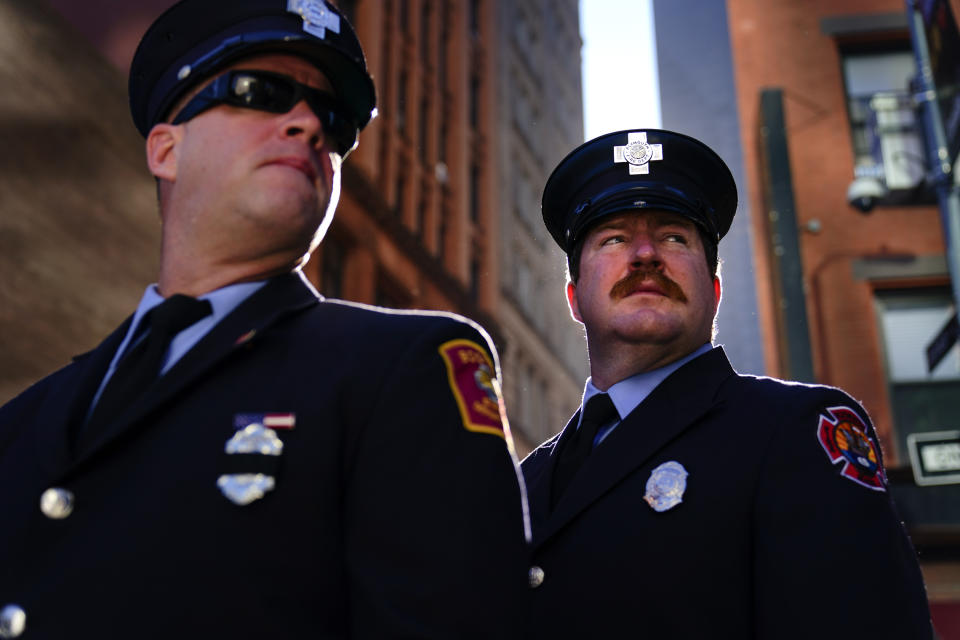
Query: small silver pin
pixel 666 485
pixel 244 488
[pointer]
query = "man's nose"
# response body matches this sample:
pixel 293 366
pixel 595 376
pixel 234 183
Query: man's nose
pixel 301 121
pixel 644 250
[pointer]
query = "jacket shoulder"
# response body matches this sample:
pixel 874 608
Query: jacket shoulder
pixel 400 325
pixel 785 396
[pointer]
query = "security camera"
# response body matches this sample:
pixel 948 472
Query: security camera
pixel 864 192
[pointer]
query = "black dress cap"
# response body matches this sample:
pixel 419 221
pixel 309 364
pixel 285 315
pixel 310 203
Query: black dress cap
pixel 638 169
pixel 195 38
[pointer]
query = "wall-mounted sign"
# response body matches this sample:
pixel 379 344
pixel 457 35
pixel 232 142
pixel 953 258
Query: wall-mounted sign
pixel 935 457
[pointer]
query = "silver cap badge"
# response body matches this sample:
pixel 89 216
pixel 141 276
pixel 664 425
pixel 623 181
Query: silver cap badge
pixel 666 485
pixel 317 16
pixel 638 153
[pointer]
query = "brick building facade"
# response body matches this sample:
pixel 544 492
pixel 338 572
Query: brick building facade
pixel 822 97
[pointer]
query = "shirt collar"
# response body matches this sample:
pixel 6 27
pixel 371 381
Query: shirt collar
pixel 223 300
pixel 630 392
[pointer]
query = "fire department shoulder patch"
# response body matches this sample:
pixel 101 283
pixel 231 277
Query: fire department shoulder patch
pixel 471 375
pixel 845 438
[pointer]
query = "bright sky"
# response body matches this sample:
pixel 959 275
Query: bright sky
pixel 620 86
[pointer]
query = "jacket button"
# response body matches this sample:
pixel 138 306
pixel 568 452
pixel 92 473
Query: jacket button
pixel 535 577
pixel 56 503
pixel 13 621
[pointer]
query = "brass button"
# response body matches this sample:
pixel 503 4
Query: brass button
pixel 56 503
pixel 13 620
pixel 535 577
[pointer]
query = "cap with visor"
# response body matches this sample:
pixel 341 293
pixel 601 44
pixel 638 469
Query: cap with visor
pixel 635 170
pixel 194 39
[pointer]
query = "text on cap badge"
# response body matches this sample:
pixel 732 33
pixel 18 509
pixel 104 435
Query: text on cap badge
pixel 638 153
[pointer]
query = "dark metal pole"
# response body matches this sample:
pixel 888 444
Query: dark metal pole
pixel 940 163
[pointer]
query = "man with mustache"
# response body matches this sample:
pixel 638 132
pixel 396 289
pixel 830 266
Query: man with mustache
pixel 243 458
pixel 685 501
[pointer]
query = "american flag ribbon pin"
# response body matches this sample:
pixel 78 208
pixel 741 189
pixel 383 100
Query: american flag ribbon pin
pixel 273 420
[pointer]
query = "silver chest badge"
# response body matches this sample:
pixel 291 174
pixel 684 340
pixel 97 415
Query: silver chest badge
pixel 244 488
pixel 638 153
pixel 666 485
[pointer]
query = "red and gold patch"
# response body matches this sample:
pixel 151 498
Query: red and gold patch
pixel 845 437
pixel 471 375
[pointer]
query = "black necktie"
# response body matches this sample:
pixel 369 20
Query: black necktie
pixel 599 411
pixel 140 367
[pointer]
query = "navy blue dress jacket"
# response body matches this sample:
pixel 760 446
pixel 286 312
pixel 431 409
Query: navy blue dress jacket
pixel 395 509
pixel 783 530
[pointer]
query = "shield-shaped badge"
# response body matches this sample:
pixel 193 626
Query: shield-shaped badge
pixel 666 485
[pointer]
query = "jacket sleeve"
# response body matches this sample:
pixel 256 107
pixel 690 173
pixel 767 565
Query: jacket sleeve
pixel 832 557
pixel 435 515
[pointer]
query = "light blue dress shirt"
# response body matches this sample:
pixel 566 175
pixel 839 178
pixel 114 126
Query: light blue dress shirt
pixel 223 301
pixel 630 392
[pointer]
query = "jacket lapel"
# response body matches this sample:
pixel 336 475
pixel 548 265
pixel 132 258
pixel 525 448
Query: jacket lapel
pixel 58 420
pixel 280 297
pixel 540 483
pixel 675 405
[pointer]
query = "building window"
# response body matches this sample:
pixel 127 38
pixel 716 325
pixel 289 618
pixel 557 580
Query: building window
pixel 525 115
pixel 523 279
pixel 442 58
pixel 526 201
pixel 425 34
pixel 402 103
pixel 442 234
pixel 475 278
pixel 524 33
pixel 422 214
pixel 921 400
pixel 475 18
pixel 474 100
pixel 910 320
pixel 400 193
pixel 474 194
pixel 404 16
pixel 887 141
pixel 442 150
pixel 423 126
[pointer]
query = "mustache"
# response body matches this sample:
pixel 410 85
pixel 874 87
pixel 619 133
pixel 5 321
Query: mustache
pixel 635 279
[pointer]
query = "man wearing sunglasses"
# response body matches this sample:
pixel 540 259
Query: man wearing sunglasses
pixel 243 458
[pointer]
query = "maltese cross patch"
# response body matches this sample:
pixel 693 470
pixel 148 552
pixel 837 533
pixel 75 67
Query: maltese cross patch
pixel 845 438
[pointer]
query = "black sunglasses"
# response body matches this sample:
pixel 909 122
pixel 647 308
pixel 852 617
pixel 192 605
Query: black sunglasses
pixel 275 93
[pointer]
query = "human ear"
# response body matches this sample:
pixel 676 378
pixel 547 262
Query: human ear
pixel 163 145
pixel 572 301
pixel 716 293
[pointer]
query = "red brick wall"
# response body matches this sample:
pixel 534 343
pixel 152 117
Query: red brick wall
pixel 781 45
